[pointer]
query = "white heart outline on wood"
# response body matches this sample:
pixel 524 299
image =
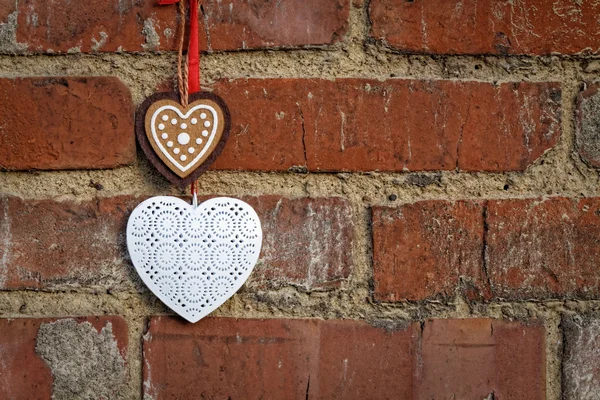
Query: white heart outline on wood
pixel 185 117
pixel 140 234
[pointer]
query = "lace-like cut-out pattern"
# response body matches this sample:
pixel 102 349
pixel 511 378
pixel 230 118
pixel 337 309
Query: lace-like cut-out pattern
pixel 194 259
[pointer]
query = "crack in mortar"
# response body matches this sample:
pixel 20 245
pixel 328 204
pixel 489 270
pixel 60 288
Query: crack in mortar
pixel 85 363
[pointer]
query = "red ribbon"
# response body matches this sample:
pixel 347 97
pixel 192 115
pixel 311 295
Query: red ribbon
pixel 193 49
pixel 193 53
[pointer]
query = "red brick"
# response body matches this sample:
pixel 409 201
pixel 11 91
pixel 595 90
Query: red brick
pixel 266 125
pixel 65 123
pixel 50 244
pixel 56 245
pixel 6 8
pixel 580 368
pixel 220 357
pixel 531 27
pixel 473 358
pixel 23 373
pixel 306 242
pixel 543 248
pixel 508 249
pixel 587 125
pixel 428 249
pixel 114 25
pixel 395 125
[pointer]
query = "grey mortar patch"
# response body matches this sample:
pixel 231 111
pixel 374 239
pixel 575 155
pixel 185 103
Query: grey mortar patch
pixel 588 133
pixel 389 325
pixel 579 376
pixel 85 363
pixel 8 36
pixel 152 38
pixel 99 43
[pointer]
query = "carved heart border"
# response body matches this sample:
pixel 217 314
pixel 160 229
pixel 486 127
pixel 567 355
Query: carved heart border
pixel 140 131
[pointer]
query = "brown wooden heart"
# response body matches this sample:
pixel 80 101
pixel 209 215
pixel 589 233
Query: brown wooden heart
pixel 182 142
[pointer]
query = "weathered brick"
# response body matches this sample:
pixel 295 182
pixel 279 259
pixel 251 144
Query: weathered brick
pixel 55 245
pixel 532 27
pixel 543 248
pixel 65 123
pixel 426 249
pixel 6 8
pixel 395 125
pixel 72 358
pixel 587 124
pixel 508 249
pixel 580 368
pixel 291 359
pixel 306 242
pixel 296 359
pixel 266 125
pixel 481 359
pixel 114 25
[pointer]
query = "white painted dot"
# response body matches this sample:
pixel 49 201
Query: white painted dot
pixel 198 141
pixel 204 133
pixel 165 117
pixel 183 158
pixel 164 136
pixel 183 138
pixel 183 126
pixel 169 144
pixel 191 150
pixel 174 121
pixel 161 126
pixel 207 123
pixel 203 116
pixel 194 121
pixel 176 150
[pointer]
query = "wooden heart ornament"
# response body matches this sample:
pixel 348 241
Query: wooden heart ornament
pixel 182 142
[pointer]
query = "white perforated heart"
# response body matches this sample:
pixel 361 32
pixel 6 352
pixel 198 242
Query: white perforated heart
pixel 194 259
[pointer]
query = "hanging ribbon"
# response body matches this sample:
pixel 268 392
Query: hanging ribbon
pixel 188 75
pixel 193 49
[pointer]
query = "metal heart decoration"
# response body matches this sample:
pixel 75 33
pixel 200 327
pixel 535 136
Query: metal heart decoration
pixel 182 142
pixel 194 258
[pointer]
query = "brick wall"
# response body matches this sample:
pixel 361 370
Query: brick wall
pixel 426 174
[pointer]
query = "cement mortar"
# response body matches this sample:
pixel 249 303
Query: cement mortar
pixel 559 172
pixel 85 363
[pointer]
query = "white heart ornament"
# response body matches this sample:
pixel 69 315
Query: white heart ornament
pixel 194 258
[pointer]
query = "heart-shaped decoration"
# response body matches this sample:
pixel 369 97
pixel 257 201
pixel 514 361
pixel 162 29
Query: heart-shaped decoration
pixel 182 142
pixel 194 258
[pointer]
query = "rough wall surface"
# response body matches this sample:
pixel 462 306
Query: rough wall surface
pixel 426 174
